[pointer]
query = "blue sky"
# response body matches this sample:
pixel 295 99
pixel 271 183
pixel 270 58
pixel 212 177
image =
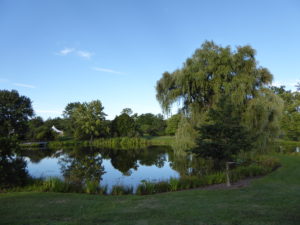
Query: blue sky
pixel 57 51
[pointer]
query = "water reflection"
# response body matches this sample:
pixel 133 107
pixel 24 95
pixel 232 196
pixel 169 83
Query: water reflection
pixel 81 166
pixel 113 166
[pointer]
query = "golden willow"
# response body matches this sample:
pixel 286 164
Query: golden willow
pixel 214 73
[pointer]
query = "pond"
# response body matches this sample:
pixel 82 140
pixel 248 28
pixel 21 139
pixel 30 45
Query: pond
pixel 111 166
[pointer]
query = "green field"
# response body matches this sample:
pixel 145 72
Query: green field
pixel 273 199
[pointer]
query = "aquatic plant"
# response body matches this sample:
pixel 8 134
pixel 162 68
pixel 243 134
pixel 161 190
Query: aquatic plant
pixel 121 190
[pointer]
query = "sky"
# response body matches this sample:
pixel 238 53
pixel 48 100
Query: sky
pixel 58 51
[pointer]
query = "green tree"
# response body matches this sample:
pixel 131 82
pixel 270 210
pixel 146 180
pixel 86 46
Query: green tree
pixel 290 121
pixel 88 119
pixel 124 125
pixel 70 127
pixel 40 130
pixel 150 124
pixel 15 111
pixel 215 72
pixel 172 124
pixel 223 136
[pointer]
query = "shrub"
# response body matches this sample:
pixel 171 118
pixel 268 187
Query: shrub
pixel 173 184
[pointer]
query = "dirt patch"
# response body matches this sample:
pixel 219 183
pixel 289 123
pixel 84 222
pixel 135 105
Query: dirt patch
pixel 236 185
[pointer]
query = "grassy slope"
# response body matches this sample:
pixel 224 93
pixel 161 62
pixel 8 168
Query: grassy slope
pixel 274 199
pixel 160 140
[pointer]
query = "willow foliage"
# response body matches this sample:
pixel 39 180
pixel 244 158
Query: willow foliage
pixel 214 73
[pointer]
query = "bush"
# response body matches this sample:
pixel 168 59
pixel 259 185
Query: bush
pixel 174 182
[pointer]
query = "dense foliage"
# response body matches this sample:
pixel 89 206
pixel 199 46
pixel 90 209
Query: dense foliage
pixel 86 120
pixel 215 73
pixel 172 124
pixel 150 124
pixel 124 125
pixel 290 122
pixel 15 111
pixel 223 137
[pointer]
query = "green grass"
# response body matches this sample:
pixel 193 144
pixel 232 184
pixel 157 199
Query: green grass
pixel 271 200
pixel 160 140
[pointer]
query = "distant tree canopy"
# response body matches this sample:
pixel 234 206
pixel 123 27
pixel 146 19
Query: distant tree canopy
pixel 40 130
pixel 290 121
pixel 172 124
pixel 124 125
pixel 86 119
pixel 15 111
pixel 150 124
pixel 216 73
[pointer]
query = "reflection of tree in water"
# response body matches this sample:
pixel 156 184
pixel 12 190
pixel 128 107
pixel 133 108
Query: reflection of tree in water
pixel 81 165
pixel 154 156
pixel 123 160
pixel 36 155
pixel 190 165
pixel 126 160
pixel 12 168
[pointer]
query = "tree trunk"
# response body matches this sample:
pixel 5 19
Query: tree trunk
pixel 227 175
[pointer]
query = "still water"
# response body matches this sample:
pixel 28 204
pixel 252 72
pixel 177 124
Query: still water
pixel 109 167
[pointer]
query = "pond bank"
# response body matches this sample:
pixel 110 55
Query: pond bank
pixel 271 200
pixel 113 143
pixel 263 165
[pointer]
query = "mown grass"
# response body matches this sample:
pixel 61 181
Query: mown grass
pixel 160 140
pixel 273 199
pixel 111 143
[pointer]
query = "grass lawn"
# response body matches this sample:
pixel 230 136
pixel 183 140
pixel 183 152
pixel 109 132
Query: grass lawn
pixel 160 140
pixel 274 199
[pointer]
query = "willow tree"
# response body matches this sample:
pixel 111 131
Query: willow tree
pixel 214 73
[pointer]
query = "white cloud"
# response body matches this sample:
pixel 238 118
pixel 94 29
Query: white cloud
pixel 106 70
pixel 24 85
pixel 84 54
pixel 74 51
pixel 66 51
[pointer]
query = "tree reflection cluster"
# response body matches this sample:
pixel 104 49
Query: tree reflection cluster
pixel 81 165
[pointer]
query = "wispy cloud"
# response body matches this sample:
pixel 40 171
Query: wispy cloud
pixel 66 51
pixel 73 51
pixel 106 70
pixel 84 54
pixel 24 85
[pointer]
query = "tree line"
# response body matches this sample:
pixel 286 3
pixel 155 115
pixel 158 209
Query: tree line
pixel 87 121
